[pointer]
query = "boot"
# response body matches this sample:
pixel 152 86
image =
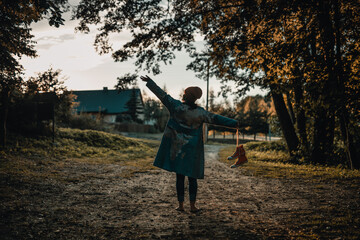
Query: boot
pixel 241 157
pixel 235 154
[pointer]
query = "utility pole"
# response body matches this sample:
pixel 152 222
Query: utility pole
pixel 206 132
pixel 207 84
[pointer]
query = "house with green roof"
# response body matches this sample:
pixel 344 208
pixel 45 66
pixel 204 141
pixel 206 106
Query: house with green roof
pixel 112 105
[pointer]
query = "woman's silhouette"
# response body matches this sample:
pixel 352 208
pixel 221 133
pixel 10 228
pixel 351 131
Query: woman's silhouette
pixel 182 148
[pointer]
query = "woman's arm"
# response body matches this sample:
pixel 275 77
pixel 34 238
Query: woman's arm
pixel 165 98
pixel 220 120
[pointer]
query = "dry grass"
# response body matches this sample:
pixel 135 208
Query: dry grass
pixel 84 156
pixel 324 222
pixel 39 157
pixel 272 164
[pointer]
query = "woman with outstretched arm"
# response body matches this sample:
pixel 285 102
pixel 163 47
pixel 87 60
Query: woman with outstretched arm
pixel 182 148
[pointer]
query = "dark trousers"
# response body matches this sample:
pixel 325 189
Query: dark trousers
pixel 180 187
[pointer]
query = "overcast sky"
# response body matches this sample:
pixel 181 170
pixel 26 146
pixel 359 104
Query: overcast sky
pixel 74 53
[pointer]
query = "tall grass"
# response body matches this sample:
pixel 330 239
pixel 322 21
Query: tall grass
pixel 25 154
pixel 271 159
pixel 75 143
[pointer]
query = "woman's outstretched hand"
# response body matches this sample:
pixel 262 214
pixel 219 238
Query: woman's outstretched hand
pixel 146 78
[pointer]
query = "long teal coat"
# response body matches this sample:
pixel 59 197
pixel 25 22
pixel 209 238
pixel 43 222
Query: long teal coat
pixel 182 147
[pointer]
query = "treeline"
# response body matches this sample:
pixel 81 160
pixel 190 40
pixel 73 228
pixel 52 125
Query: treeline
pixel 37 103
pixel 307 51
pixel 256 114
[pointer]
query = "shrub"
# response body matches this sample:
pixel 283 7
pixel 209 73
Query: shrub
pixel 84 121
pixel 267 146
pixel 97 139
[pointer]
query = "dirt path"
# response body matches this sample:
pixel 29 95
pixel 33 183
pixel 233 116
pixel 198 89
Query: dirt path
pixel 93 202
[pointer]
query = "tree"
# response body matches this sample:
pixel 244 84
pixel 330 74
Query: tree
pixel 16 41
pixel 42 98
pixel 258 122
pixel 47 81
pixel 306 49
pixel 212 97
pixel 126 81
pixel 253 112
pixel 51 81
pixel 134 104
pixel 151 109
pixel 154 110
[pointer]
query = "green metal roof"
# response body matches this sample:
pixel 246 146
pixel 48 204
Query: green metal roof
pixel 109 101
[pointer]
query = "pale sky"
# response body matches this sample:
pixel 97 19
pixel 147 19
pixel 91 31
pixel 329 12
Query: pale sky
pixel 74 53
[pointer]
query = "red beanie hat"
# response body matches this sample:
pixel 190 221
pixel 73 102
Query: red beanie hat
pixel 193 93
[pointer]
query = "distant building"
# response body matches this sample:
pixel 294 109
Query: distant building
pixel 112 105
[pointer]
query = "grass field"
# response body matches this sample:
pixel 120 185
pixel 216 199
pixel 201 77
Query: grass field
pixel 24 155
pixel 266 159
pixel 271 160
pixel 79 156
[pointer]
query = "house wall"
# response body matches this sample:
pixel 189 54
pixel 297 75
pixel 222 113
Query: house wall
pixel 140 107
pixel 110 118
pixel 141 116
pixel 150 122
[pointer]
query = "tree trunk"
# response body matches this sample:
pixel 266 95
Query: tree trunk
pixel 323 138
pixel 351 152
pixel 287 127
pixel 5 94
pixel 290 107
pixel 300 117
